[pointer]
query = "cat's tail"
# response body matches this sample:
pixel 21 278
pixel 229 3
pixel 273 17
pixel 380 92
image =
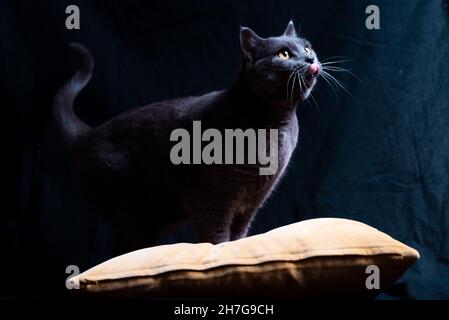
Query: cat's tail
pixel 70 126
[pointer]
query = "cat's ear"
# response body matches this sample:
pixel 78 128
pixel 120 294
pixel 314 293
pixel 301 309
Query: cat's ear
pixel 290 31
pixel 248 42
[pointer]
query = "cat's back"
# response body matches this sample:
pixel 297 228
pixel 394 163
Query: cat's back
pixel 141 134
pixel 158 117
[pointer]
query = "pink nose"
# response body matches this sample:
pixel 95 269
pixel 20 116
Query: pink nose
pixel 314 69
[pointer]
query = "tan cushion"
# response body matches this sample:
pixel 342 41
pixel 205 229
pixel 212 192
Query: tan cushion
pixel 305 259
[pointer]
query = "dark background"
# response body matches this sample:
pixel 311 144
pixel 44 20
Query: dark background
pixel 381 158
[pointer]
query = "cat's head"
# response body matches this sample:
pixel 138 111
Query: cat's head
pixel 281 70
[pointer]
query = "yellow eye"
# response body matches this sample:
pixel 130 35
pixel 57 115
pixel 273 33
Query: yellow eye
pixel 308 50
pixel 284 54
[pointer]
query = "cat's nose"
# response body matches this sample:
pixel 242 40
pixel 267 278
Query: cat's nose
pixel 309 59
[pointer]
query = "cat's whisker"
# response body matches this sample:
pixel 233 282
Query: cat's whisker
pixel 293 88
pixel 303 68
pixel 334 62
pixel 316 104
pixel 335 57
pixel 337 82
pixel 277 69
pixel 296 70
pixel 329 83
pixel 334 68
pixel 288 82
pixel 300 83
pixel 298 75
pixel 296 78
pixel 338 69
pixel 303 80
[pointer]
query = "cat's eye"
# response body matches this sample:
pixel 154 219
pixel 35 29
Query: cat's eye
pixel 308 49
pixel 284 54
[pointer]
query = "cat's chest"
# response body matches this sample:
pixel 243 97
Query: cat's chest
pixel 287 143
pixel 255 187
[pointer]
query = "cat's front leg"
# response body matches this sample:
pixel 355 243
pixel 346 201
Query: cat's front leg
pixel 214 228
pixel 240 224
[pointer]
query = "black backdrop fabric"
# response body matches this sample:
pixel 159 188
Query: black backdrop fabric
pixel 381 157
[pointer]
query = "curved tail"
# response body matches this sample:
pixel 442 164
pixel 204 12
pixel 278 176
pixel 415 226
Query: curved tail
pixel 70 126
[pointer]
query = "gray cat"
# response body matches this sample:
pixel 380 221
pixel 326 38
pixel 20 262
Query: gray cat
pixel 124 164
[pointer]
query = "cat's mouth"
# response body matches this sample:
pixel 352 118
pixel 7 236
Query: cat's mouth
pixel 309 76
pixel 314 69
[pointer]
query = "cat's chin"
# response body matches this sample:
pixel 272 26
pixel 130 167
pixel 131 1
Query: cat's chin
pixel 310 82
